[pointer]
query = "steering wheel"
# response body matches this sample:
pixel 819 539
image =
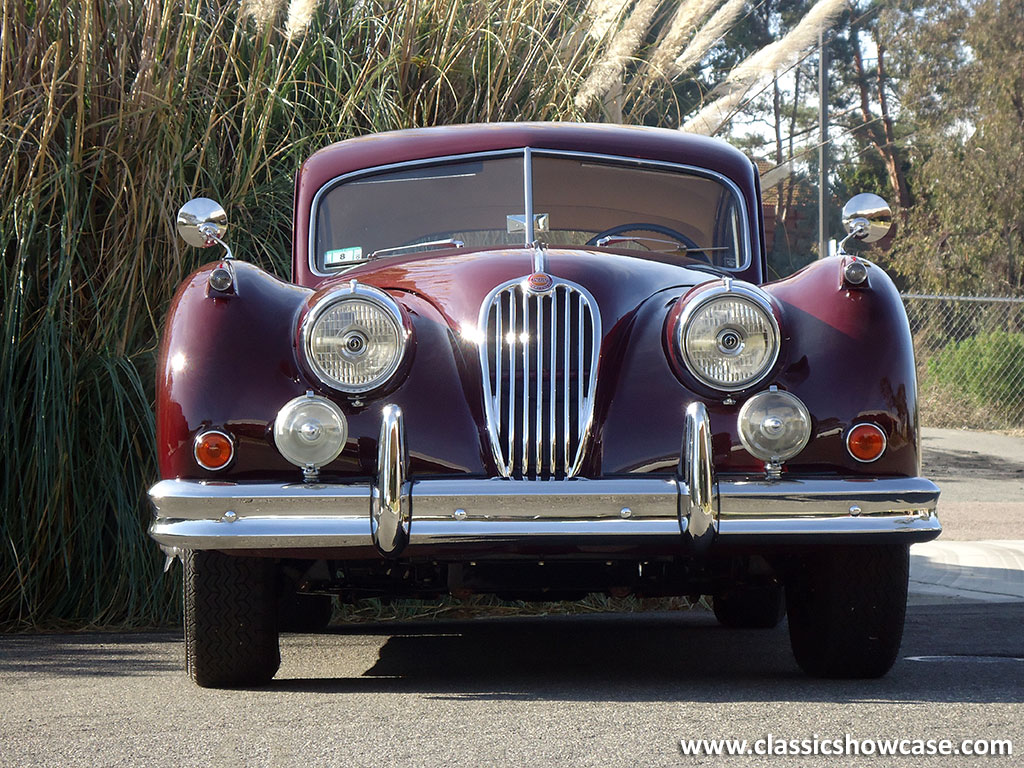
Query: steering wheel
pixel 692 249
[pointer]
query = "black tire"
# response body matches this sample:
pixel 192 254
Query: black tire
pixel 750 607
pixel 231 637
pixel 304 613
pixel 846 608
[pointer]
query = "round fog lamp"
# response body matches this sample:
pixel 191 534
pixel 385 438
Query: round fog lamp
pixel 774 425
pixel 310 431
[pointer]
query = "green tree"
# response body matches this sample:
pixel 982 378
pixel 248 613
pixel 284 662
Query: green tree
pixel 961 68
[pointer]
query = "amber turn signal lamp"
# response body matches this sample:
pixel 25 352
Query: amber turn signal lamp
pixel 865 442
pixel 213 449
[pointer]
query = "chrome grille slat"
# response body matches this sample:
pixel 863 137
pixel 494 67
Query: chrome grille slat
pixel 553 377
pixel 525 341
pixel 579 364
pixel 566 373
pixel 510 420
pixel 538 398
pixel 534 429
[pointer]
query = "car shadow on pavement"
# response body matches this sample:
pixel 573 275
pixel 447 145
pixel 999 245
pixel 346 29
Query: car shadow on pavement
pixel 87 654
pixel 964 466
pixel 672 657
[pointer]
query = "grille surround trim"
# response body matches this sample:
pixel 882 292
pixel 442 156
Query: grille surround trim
pixel 514 454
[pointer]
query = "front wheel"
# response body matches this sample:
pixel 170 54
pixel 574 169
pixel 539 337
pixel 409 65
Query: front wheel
pixel 231 634
pixel 846 608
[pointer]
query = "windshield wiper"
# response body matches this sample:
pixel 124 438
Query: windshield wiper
pixel 677 247
pixel 399 250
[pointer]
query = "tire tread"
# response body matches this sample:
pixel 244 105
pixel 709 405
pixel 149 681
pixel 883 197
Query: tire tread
pixel 846 610
pixel 231 634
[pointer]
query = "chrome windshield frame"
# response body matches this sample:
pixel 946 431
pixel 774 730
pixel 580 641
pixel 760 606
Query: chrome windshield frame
pixel 528 153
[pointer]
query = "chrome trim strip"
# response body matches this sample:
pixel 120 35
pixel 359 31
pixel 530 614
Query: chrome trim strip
pixel 344 533
pixel 348 532
pixel 525 341
pixel 579 362
pixel 927 525
pixel 528 228
pixel 208 500
pixel 759 499
pixel 566 384
pixel 697 505
pixel 263 532
pixel 391 505
pixel 534 500
pixel 505 466
pixel 552 378
pixel 491 532
pixel 629 161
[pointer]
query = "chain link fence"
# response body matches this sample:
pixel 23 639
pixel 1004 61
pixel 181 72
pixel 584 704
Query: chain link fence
pixel 970 360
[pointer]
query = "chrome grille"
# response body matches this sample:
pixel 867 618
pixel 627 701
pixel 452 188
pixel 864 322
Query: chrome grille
pixel 538 356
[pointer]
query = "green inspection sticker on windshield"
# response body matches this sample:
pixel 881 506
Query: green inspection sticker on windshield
pixel 336 256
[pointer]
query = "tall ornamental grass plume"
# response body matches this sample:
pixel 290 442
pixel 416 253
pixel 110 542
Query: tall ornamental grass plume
pixel 113 115
pixel 762 65
pixel 115 112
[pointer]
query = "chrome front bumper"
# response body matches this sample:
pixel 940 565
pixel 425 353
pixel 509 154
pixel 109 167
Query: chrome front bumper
pixel 691 511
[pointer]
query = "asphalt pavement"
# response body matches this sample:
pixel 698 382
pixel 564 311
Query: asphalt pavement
pixel 606 690
pixel 563 690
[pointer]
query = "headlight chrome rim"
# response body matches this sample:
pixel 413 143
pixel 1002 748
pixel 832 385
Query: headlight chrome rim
pixel 371 295
pixel 744 292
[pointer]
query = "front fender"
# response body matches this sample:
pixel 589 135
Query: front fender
pixel 850 358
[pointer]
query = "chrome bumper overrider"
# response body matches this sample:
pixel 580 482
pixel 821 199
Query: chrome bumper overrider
pixel 694 508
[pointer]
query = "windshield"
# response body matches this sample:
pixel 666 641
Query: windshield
pixel 660 211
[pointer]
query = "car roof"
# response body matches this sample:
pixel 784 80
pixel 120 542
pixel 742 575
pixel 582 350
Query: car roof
pixel 640 142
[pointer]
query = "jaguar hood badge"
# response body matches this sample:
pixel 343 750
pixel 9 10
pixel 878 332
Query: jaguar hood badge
pixel 539 282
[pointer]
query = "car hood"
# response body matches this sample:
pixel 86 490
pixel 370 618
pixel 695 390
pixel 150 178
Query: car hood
pixel 456 283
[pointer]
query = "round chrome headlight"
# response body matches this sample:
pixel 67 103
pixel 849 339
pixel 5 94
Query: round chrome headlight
pixel 728 337
pixel 774 425
pixel 354 338
pixel 310 431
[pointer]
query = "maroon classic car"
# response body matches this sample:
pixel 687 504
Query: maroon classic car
pixel 538 361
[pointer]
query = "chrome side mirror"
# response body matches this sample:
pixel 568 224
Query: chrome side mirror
pixel 202 222
pixel 867 217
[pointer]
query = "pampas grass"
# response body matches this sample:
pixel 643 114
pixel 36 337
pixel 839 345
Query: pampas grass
pixel 762 65
pixel 262 11
pixel 707 36
pixel 602 15
pixel 685 22
pixel 607 73
pixel 300 13
pixel 114 114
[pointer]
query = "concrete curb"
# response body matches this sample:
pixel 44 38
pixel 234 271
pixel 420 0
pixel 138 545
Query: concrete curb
pixel 972 571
